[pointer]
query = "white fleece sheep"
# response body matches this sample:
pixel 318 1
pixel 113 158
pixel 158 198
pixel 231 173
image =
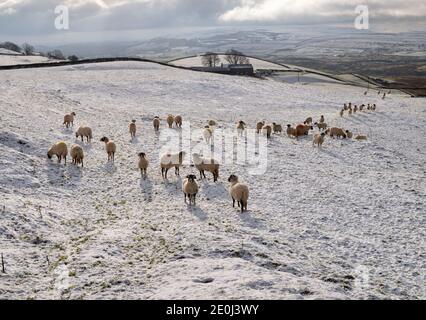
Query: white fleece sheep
pixel 239 192
pixel 190 188
pixel 60 150
pixel 84 132
pixel 77 155
pixel 169 160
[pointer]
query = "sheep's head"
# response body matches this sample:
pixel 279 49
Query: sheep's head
pixel 191 178
pixel 105 139
pixel 323 134
pixel 73 113
pixel 142 155
pixel 49 154
pixel 289 126
pixel 233 178
pixel 133 121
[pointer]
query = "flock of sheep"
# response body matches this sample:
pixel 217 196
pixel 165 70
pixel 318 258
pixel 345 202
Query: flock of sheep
pixel 239 192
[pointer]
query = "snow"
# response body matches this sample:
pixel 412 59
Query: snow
pixel 8 60
pixel 9 52
pixel 345 222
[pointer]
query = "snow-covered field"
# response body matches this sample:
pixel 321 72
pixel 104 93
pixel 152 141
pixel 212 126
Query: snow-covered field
pixel 345 222
pixel 8 60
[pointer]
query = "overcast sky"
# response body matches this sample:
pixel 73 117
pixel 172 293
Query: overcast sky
pixel 31 18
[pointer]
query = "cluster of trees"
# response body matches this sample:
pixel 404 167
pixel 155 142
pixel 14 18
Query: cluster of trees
pixel 29 50
pixel 211 59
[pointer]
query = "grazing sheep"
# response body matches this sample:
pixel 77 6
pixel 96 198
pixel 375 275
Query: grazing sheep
pixel 349 134
pixel 143 164
pixel 209 165
pixel 208 134
pixel 308 121
pixel 69 119
pixel 360 137
pixel 170 120
pixel 77 155
pixel 322 119
pixel 267 130
pixel 319 139
pixel 168 161
pixel 178 121
pixel 303 130
pixel 156 123
pixel 132 129
pixel 212 123
pixel 190 188
pixel 321 126
pixel 241 127
pixel 259 126
pixel 342 112
pixel 60 150
pixel 277 128
pixel 110 148
pixel 84 132
pixel 291 131
pixel 338 132
pixel 239 192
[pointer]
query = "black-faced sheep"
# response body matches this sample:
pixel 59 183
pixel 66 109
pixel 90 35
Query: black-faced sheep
pixel 110 148
pixel 239 192
pixel 170 120
pixel 60 150
pixel 277 128
pixel 84 132
pixel 190 188
pixel 178 121
pixel 132 129
pixel 77 155
pixel 156 123
pixel 259 126
pixel 143 164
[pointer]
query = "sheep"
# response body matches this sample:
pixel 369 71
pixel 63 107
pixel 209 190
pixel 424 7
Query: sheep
pixel 336 132
pixel 267 130
pixel 170 120
pixel 208 134
pixel 259 126
pixel 84 132
pixel 239 192
pixel 308 121
pixel 77 155
pixel 202 165
pixel 322 119
pixel 277 128
pixel 368 107
pixel 349 134
pixel 110 148
pixel 361 107
pixel 355 109
pixel 303 130
pixel 241 127
pixel 132 129
pixel 318 139
pixel 212 123
pixel 373 108
pixel 178 121
pixel 360 137
pixel 156 123
pixel 342 112
pixel 321 126
pixel 291 131
pixel 345 107
pixel 350 110
pixel 190 188
pixel 143 164
pixel 60 150
pixel 168 161
pixel 69 119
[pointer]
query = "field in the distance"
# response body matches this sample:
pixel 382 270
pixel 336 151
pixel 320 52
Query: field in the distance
pixel 344 222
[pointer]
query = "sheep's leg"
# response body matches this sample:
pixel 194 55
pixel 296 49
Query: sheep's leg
pixel 162 173
pixel 201 175
pixel 233 203
pixel 185 197
pixel 167 170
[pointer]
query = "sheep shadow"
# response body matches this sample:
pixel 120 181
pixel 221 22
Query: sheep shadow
pixel 197 212
pixel 108 167
pixel 251 221
pixel 215 191
pixel 134 140
pixel 146 186
pixel 330 153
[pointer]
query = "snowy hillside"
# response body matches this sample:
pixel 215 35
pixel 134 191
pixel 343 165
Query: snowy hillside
pixel 346 222
pixel 8 60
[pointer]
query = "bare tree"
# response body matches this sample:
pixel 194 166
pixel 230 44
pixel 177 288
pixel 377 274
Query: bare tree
pixel 27 49
pixel 210 59
pixel 56 54
pixel 235 57
pixel 10 46
pixel 73 58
